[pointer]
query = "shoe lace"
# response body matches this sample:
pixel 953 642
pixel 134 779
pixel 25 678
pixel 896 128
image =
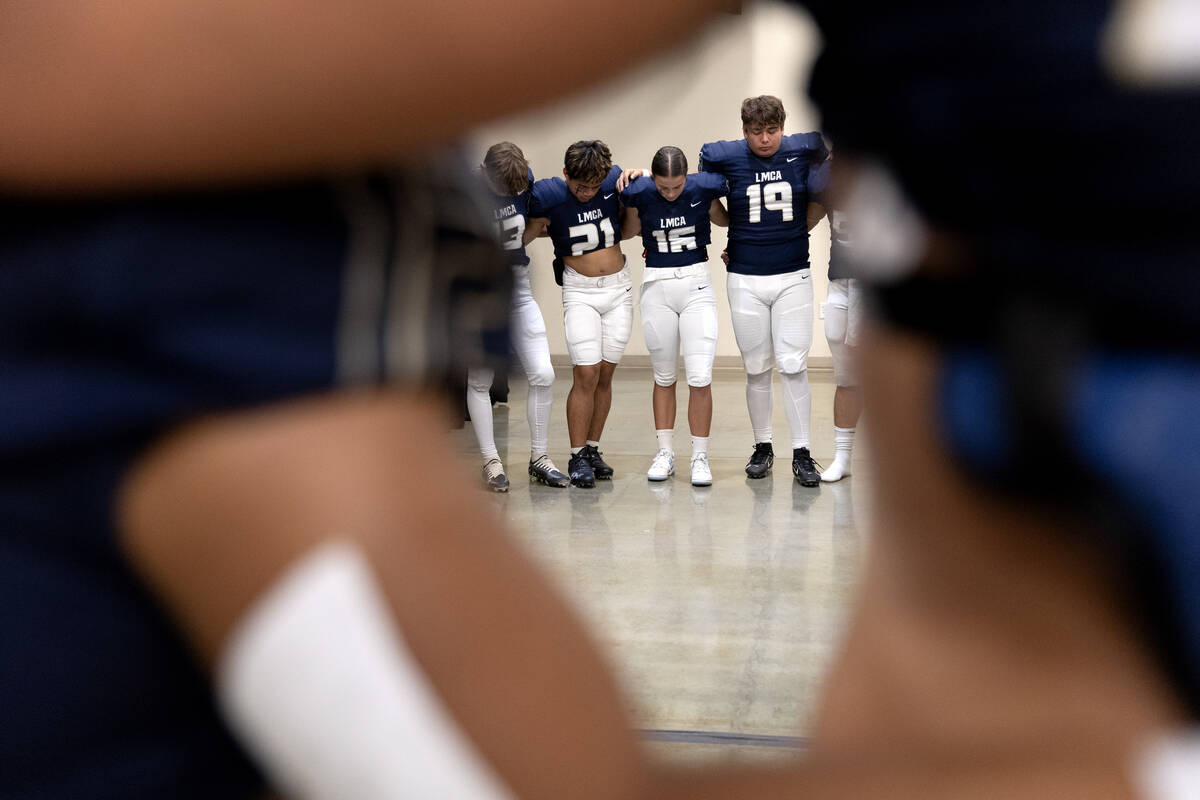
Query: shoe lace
pixel 493 468
pixel 807 462
pixel 760 454
pixel 701 459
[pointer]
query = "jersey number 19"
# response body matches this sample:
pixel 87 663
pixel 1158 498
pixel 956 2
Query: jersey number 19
pixel 775 196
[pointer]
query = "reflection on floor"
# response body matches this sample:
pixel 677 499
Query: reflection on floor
pixel 721 606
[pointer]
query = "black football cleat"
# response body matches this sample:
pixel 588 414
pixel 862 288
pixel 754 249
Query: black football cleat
pixel 544 471
pixel 761 460
pixel 602 470
pixel 580 470
pixel 804 468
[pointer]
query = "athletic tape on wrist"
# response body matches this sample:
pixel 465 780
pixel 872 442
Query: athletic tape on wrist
pixel 321 689
pixel 1169 769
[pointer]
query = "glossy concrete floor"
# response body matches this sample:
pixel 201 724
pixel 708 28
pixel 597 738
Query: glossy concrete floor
pixel 720 607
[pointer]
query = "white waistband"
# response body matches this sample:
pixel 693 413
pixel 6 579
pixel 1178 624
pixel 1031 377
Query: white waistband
pixel 575 280
pixel 1168 768
pixel 660 273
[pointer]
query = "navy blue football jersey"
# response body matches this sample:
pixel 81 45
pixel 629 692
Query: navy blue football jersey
pixel 839 246
pixel 675 234
pixel 578 228
pixel 768 201
pixel 839 227
pixel 120 320
pixel 510 212
pixel 966 165
pixel 1089 135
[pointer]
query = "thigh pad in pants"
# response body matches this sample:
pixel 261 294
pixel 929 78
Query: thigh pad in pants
pixel 837 332
pixel 751 317
pixel 660 327
pixel 792 322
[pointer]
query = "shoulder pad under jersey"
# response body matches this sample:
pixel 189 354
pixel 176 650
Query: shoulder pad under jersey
pixel 715 154
pixel 711 184
pixel 610 180
pixel 637 190
pixel 811 142
pixel 546 194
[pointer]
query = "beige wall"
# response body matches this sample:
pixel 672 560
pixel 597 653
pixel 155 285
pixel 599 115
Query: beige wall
pixel 685 98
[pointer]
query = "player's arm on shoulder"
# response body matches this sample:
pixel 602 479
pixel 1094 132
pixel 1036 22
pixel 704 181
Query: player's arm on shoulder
pixel 715 186
pixel 712 157
pixel 819 177
pixel 629 176
pixel 535 227
pixel 815 141
pixel 815 213
pixel 631 223
pixel 156 92
pixel 262 532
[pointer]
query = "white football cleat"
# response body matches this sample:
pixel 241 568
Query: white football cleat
pixel 701 474
pixel 662 467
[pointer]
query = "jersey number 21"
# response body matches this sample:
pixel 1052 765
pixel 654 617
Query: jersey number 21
pixel 591 236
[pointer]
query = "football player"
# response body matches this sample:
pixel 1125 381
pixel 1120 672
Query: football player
pixel 843 317
pixel 769 286
pixel 673 211
pixel 508 179
pixel 582 214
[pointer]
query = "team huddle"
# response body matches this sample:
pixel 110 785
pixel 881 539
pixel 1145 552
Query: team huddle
pixel 774 187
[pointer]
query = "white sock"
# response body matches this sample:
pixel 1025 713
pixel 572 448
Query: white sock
pixel 699 446
pixel 843 445
pixel 575 450
pixel 537 411
pixel 797 404
pixel 666 439
pixel 479 403
pixel 759 402
pixel 595 444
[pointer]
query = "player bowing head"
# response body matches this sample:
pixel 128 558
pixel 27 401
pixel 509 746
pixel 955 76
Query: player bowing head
pixel 762 124
pixel 506 168
pixel 585 166
pixel 508 178
pixel 581 215
pixel 668 169
pixel 673 211
pixel 770 293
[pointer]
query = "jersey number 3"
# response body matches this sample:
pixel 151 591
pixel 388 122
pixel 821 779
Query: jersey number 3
pixel 512 231
pixel 591 236
pixel 775 196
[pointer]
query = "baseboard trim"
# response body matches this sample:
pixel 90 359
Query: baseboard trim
pixel 720 363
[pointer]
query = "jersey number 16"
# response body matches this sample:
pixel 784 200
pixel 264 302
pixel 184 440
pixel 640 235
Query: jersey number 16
pixel 676 240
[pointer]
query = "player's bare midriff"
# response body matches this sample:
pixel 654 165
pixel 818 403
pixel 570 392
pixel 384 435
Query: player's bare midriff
pixel 597 263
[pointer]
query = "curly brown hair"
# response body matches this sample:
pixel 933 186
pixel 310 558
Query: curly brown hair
pixel 588 160
pixel 763 111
